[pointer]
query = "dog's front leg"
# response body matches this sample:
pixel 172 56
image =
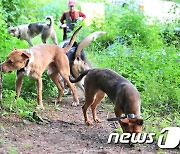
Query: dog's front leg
pixel 55 78
pixel 99 96
pixel 39 92
pixel 29 40
pixel 19 79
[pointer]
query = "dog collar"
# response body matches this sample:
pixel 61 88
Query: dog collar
pixel 19 35
pixel 26 63
pixel 123 117
pixel 23 69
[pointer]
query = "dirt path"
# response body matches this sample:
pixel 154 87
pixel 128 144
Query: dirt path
pixel 66 133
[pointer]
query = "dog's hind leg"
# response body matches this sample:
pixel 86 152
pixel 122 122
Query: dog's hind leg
pixel 99 96
pixel 55 78
pixel 62 64
pixel 54 38
pixel 19 80
pixel 45 35
pixel 54 75
pixel 44 40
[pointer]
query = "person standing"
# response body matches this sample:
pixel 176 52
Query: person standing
pixel 71 16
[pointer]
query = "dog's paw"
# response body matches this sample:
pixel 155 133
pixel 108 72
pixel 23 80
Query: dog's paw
pixel 97 120
pixel 75 103
pixel 88 122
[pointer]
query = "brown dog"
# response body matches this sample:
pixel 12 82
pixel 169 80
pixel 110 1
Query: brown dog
pixel 124 95
pixel 34 61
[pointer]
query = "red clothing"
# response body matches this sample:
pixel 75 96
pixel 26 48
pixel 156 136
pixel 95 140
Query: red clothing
pixel 72 15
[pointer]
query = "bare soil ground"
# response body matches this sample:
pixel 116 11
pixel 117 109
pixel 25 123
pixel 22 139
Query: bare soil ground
pixel 66 133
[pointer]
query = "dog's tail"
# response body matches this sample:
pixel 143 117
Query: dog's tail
pixel 87 40
pixel 69 46
pixel 73 80
pixel 50 18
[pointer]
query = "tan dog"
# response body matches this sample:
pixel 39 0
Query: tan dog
pixel 33 63
pixel 124 95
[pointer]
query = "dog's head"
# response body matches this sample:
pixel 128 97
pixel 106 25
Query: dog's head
pixel 79 66
pixel 131 125
pixel 16 60
pixel 13 31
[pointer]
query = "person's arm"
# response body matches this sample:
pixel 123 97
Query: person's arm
pixel 62 18
pixel 61 21
pixel 82 15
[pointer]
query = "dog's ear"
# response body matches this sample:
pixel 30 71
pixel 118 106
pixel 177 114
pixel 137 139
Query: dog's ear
pixel 14 49
pixel 25 55
pixel 125 121
pixel 139 122
pixel 11 29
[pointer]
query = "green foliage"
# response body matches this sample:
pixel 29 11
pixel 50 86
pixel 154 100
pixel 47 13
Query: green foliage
pixel 170 31
pixel 131 25
pixel 54 8
pixel 13 150
pixel 22 11
pixel 9 102
pixel 13 11
pixel 154 72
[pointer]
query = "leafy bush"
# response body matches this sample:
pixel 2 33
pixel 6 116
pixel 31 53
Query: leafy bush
pixel 131 25
pixel 23 12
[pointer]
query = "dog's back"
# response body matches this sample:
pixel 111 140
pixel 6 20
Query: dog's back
pixel 40 27
pixel 106 80
pixel 120 90
pixel 35 28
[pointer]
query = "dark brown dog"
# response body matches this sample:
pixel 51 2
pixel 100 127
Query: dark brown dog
pixel 124 95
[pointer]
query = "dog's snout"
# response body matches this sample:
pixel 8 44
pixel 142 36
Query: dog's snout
pixel 4 69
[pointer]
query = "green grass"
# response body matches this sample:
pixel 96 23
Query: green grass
pixel 12 150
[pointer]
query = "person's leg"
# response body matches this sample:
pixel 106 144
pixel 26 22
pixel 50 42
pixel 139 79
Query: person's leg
pixel 64 34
